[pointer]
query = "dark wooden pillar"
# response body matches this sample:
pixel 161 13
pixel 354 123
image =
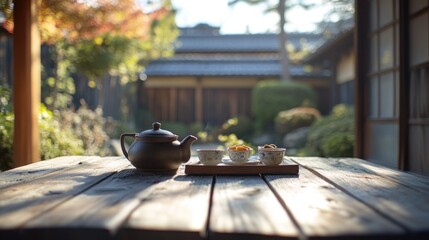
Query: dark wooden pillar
pixel 26 85
pixel 199 101
pixel 360 37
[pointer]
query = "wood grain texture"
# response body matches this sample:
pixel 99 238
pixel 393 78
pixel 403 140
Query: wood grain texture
pixel 36 170
pixel 412 180
pixel 400 203
pixel 22 202
pixel 176 208
pixel 321 210
pixel 244 207
pixel 98 212
pixel 27 85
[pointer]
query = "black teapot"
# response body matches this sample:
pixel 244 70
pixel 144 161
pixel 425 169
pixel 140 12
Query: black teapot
pixel 157 149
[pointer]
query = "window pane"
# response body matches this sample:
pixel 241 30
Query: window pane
pixel 419 38
pixel 373 17
pixel 374 54
pixel 416 5
pixel 396 93
pixel 386 48
pixel 373 98
pixel 382 144
pixel 387 91
pixel 386 13
pixel 396 50
pixel 396 2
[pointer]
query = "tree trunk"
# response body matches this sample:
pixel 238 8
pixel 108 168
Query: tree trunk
pixel 284 56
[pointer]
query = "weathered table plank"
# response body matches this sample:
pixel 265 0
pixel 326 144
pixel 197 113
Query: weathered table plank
pixel 99 211
pixel 176 208
pixel 402 204
pixel 39 169
pixel 20 203
pixel 244 207
pixel 106 198
pixel 321 210
pixel 417 182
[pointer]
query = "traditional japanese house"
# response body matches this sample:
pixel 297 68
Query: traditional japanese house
pixel 211 76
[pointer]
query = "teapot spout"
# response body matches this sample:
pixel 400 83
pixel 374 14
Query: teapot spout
pixel 185 147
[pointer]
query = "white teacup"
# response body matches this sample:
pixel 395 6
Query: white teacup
pixel 210 156
pixel 271 156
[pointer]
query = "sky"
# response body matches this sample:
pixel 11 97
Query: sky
pixel 242 18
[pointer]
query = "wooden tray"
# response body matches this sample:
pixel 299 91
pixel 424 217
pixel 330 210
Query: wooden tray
pixel 287 167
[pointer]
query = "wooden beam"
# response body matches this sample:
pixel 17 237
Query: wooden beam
pixel 199 101
pixel 26 85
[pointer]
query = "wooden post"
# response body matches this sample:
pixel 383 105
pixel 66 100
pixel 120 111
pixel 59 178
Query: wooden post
pixel 199 101
pixel 26 85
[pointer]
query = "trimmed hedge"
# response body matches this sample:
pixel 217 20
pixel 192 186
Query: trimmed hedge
pixel 289 120
pixel 271 97
pixel 333 135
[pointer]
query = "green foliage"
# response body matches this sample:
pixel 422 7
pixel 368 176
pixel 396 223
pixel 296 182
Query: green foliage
pixel 107 53
pixel 241 126
pixel 6 128
pixel 89 126
pixel 271 97
pixel 6 140
pixel 63 132
pixel 57 139
pixel 57 85
pixel 231 140
pixel 333 135
pixel 177 128
pixel 289 120
pixel 195 128
pixel 339 144
pixel 5 104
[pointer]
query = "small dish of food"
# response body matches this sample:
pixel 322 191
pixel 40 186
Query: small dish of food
pixel 270 154
pixel 239 153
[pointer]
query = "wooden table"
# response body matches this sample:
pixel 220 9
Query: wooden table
pixel 106 198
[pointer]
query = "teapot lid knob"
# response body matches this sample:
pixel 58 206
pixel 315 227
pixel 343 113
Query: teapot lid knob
pixel 156 125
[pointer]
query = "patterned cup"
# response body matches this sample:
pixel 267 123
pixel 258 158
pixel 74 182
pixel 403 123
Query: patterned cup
pixel 210 156
pixel 271 156
pixel 239 155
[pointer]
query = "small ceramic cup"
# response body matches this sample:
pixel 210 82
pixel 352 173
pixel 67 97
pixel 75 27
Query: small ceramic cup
pixel 239 155
pixel 271 156
pixel 210 156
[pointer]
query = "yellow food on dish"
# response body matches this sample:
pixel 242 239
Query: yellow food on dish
pixel 240 148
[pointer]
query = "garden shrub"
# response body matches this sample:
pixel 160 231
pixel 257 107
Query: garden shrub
pixel 89 126
pixel 241 126
pixel 177 128
pixel 195 128
pixel 6 129
pixel 57 139
pixel 62 132
pixel 333 135
pixel 289 120
pixel 271 97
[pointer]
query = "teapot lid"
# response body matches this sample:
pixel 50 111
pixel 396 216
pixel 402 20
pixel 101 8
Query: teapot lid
pixel 157 134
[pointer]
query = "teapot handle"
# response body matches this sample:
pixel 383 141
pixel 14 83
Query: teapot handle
pixel 124 151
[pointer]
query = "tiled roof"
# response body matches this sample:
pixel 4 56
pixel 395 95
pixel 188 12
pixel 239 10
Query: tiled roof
pixel 210 67
pixel 228 43
pixel 208 53
pixel 242 42
pixel 221 67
